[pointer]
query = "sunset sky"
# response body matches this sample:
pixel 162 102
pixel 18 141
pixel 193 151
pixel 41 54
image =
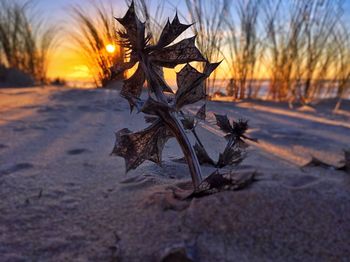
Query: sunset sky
pixel 67 63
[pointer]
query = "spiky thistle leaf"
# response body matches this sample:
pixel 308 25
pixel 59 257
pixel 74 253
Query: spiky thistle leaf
pixel 135 29
pixel 182 52
pixel 203 156
pixel 119 68
pixel 202 113
pixel 132 87
pixel 223 123
pixel 190 84
pixel 137 147
pixel 171 31
pixel 231 156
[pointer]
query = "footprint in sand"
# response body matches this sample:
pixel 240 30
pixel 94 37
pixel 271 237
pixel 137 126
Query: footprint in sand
pixel 71 186
pixel 77 151
pixel 19 129
pixel 38 127
pixel 52 109
pixel 55 119
pixel 30 127
pixel 16 168
pixel 3 146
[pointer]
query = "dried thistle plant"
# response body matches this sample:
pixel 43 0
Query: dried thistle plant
pixel 165 115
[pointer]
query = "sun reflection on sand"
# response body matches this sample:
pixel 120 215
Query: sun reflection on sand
pixel 290 113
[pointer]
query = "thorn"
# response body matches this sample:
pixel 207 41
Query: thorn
pixel 176 18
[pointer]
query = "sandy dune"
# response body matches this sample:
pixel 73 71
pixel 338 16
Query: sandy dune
pixel 63 198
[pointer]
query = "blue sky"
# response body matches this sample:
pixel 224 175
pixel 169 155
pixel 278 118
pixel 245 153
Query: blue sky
pixel 57 11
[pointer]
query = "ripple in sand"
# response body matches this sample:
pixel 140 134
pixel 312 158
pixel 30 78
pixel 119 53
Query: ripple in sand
pixel 16 168
pixel 52 109
pixel 2 146
pixel 77 151
pixel 29 127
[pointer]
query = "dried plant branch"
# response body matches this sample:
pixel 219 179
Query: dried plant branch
pixel 162 113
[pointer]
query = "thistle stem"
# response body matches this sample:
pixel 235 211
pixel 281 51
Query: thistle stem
pixel 173 125
pixel 194 132
pixel 197 138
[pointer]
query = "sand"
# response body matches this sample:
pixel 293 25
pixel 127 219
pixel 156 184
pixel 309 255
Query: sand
pixel 63 198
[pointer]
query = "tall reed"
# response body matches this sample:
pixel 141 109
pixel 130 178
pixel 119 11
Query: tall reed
pixel 301 47
pixel 26 41
pixel 152 12
pixel 209 26
pixel 342 67
pixel 94 29
pixel 244 47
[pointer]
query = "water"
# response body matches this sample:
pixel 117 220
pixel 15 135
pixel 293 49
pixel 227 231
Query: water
pixel 260 88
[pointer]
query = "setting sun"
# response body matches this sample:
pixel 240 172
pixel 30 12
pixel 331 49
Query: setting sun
pixel 110 48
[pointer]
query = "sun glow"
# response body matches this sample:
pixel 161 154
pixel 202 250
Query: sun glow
pixel 110 48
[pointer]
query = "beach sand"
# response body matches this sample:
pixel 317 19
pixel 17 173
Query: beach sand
pixel 64 198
